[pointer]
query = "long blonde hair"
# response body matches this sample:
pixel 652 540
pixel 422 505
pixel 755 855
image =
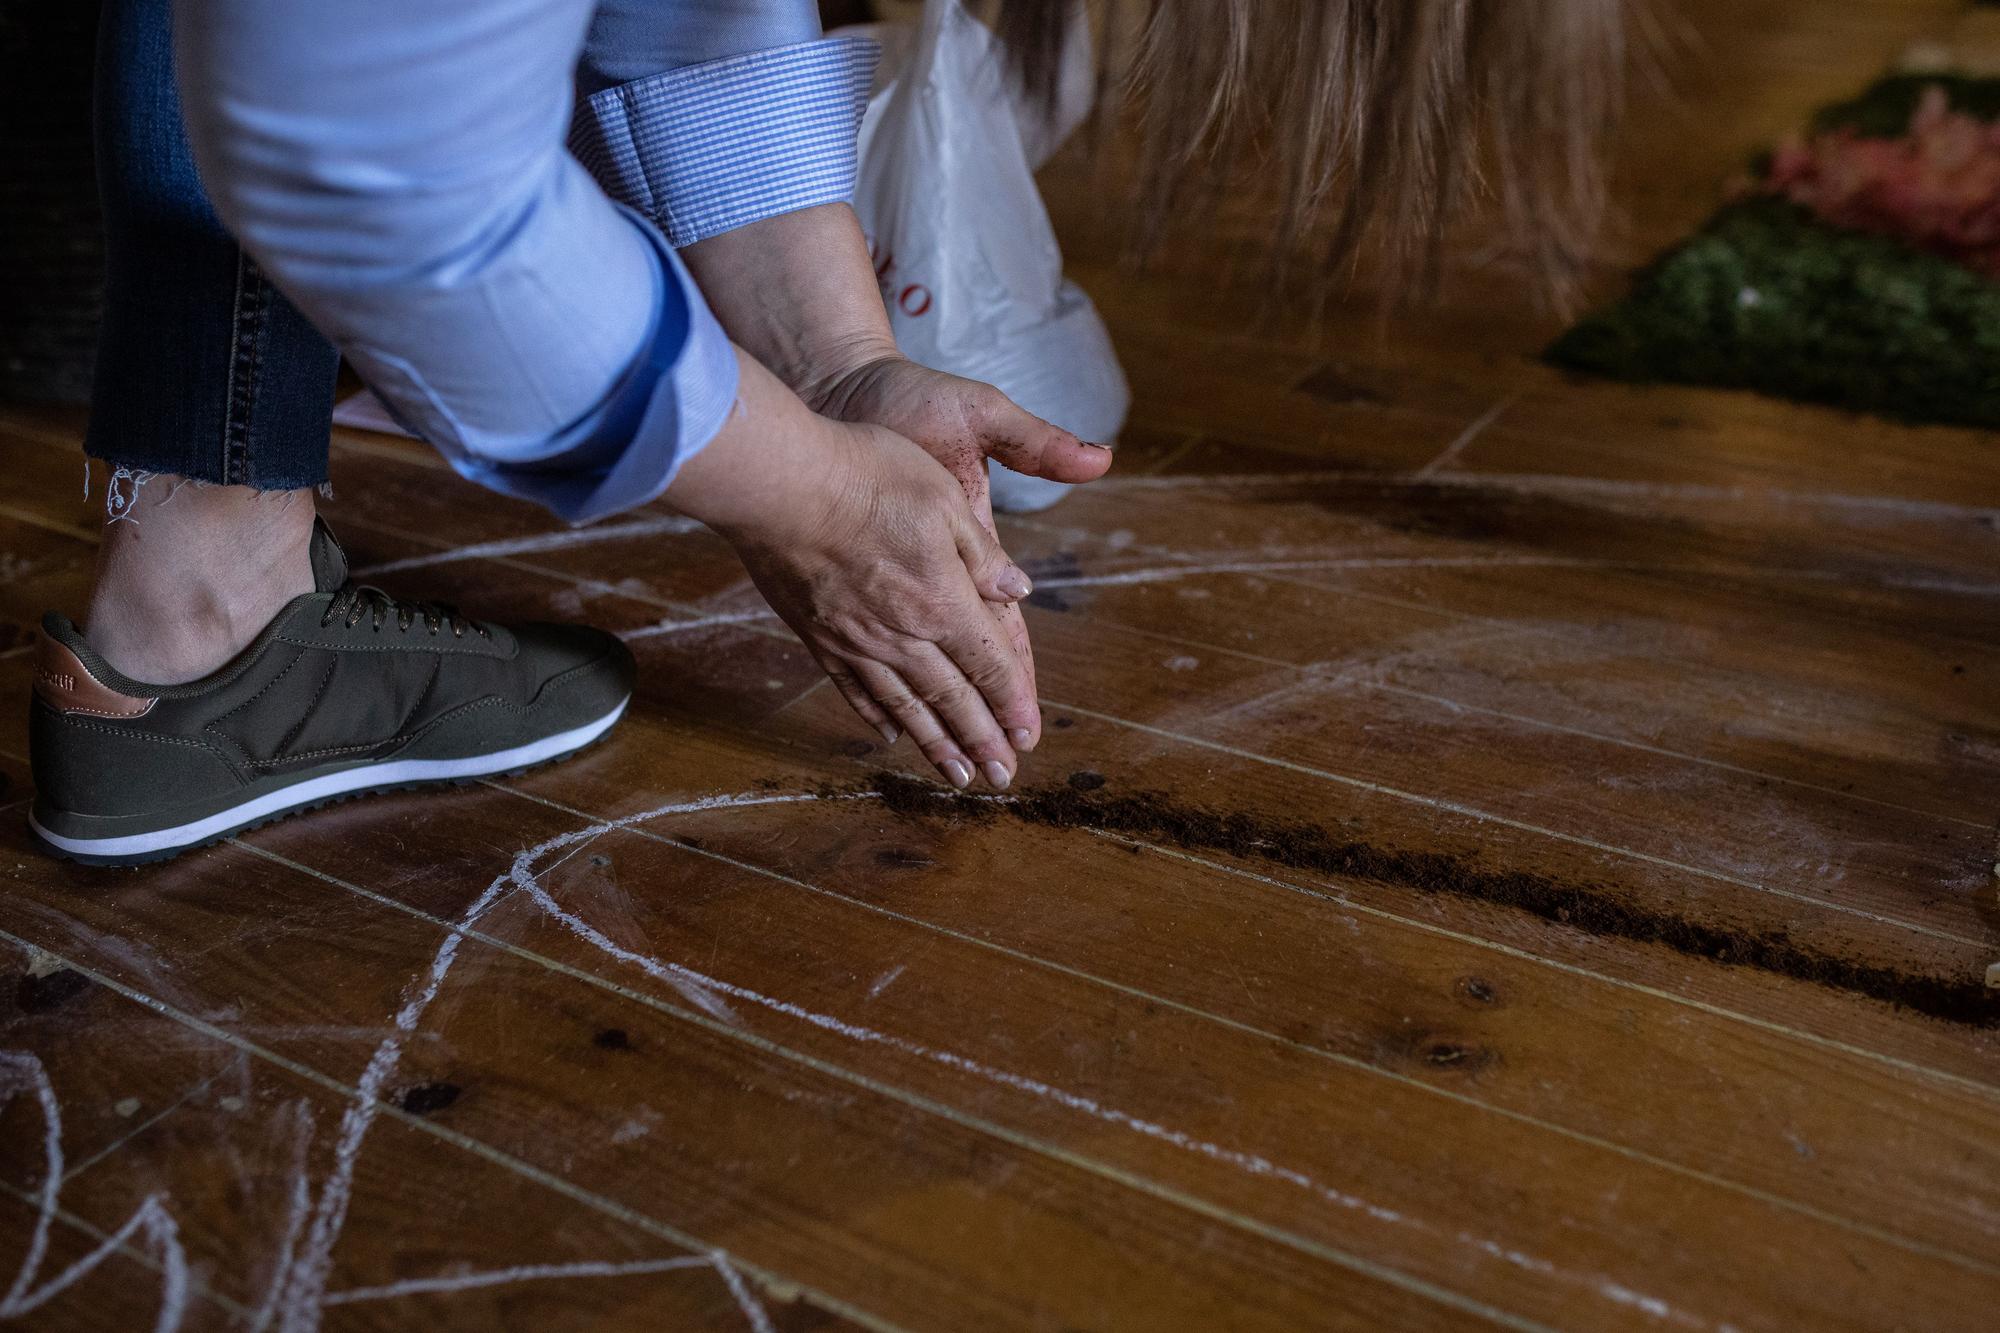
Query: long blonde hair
pixel 1373 124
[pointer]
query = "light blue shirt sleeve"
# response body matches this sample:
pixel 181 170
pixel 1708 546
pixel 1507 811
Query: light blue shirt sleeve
pixel 728 112
pixel 696 150
pixel 663 411
pixel 636 39
pixel 400 172
pixel 707 148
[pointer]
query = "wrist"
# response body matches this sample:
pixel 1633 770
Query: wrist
pixel 798 292
pixel 763 475
pixel 831 382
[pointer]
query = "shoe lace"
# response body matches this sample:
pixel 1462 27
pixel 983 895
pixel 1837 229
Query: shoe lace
pixel 357 601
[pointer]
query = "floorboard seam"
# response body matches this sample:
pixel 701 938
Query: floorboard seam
pixel 1473 812
pixel 610 1207
pixel 1105 1170
pixel 1907 1243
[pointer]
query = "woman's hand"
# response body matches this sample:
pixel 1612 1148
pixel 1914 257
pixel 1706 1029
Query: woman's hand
pixel 961 423
pixel 799 291
pixel 868 551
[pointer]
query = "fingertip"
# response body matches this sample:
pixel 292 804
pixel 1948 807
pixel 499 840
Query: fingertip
pixel 1075 461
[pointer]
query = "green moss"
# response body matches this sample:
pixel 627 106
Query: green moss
pixel 1766 298
pixel 1884 110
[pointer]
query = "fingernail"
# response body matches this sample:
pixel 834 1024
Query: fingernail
pixel 890 732
pixel 1014 583
pixel 997 774
pixel 957 772
pixel 1107 448
pixel 1020 739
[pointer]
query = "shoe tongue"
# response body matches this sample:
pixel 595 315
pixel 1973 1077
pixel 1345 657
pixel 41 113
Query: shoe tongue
pixel 329 562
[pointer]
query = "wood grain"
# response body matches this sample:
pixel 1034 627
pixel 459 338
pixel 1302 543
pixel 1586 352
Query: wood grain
pixel 1506 851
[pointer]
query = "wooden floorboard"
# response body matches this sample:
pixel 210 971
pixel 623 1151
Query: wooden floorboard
pixel 1507 851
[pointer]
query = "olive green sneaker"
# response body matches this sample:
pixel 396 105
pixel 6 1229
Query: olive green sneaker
pixel 346 691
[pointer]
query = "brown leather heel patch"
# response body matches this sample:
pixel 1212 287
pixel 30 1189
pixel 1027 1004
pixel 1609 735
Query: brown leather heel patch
pixel 65 685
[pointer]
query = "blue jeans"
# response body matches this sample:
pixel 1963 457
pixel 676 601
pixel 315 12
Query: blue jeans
pixel 203 368
pixel 207 371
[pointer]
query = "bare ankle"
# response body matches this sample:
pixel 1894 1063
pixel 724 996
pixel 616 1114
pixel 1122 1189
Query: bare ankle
pixel 189 573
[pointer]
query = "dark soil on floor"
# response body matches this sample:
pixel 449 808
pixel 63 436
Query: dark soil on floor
pixel 1297 845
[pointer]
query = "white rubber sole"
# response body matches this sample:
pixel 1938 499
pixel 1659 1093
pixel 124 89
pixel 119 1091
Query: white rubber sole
pixel 311 791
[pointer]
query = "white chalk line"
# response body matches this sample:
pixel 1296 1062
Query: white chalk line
pixel 298 1208
pixel 1351 1062
pixel 695 623
pixel 1070 535
pixel 666 971
pixel 127 1249
pixel 527 1170
pixel 1926 1072
pixel 760 1319
pixel 1160 574
pixel 689 612
pixel 524 876
pixel 22 1071
pixel 303 1296
pixel 1247 1162
pixel 654 526
pixel 759 622
pixel 1446 701
pixel 420 1286
pixel 596 830
pixel 1347 679
pixel 300 1301
pixel 1173 573
pixel 1170 1194
pixel 1486 816
pixel 1717 569
pixel 1724 765
pixel 1126 577
pixel 1472 432
pixel 1557 483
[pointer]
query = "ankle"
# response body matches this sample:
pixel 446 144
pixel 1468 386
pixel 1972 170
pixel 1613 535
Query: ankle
pixel 189 574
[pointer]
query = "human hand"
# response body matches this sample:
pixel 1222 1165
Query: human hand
pixel 798 290
pixel 866 549
pixel 960 423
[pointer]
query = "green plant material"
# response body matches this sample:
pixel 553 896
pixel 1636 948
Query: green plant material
pixel 1883 111
pixel 1766 298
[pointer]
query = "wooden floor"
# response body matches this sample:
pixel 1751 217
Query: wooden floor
pixel 1422 727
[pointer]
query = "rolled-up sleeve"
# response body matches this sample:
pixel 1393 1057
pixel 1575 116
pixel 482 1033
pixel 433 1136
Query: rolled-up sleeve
pixel 400 173
pixel 668 405
pixel 706 148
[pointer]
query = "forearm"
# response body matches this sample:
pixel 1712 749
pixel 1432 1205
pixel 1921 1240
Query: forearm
pixel 797 291
pixel 765 470
pixel 759 214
